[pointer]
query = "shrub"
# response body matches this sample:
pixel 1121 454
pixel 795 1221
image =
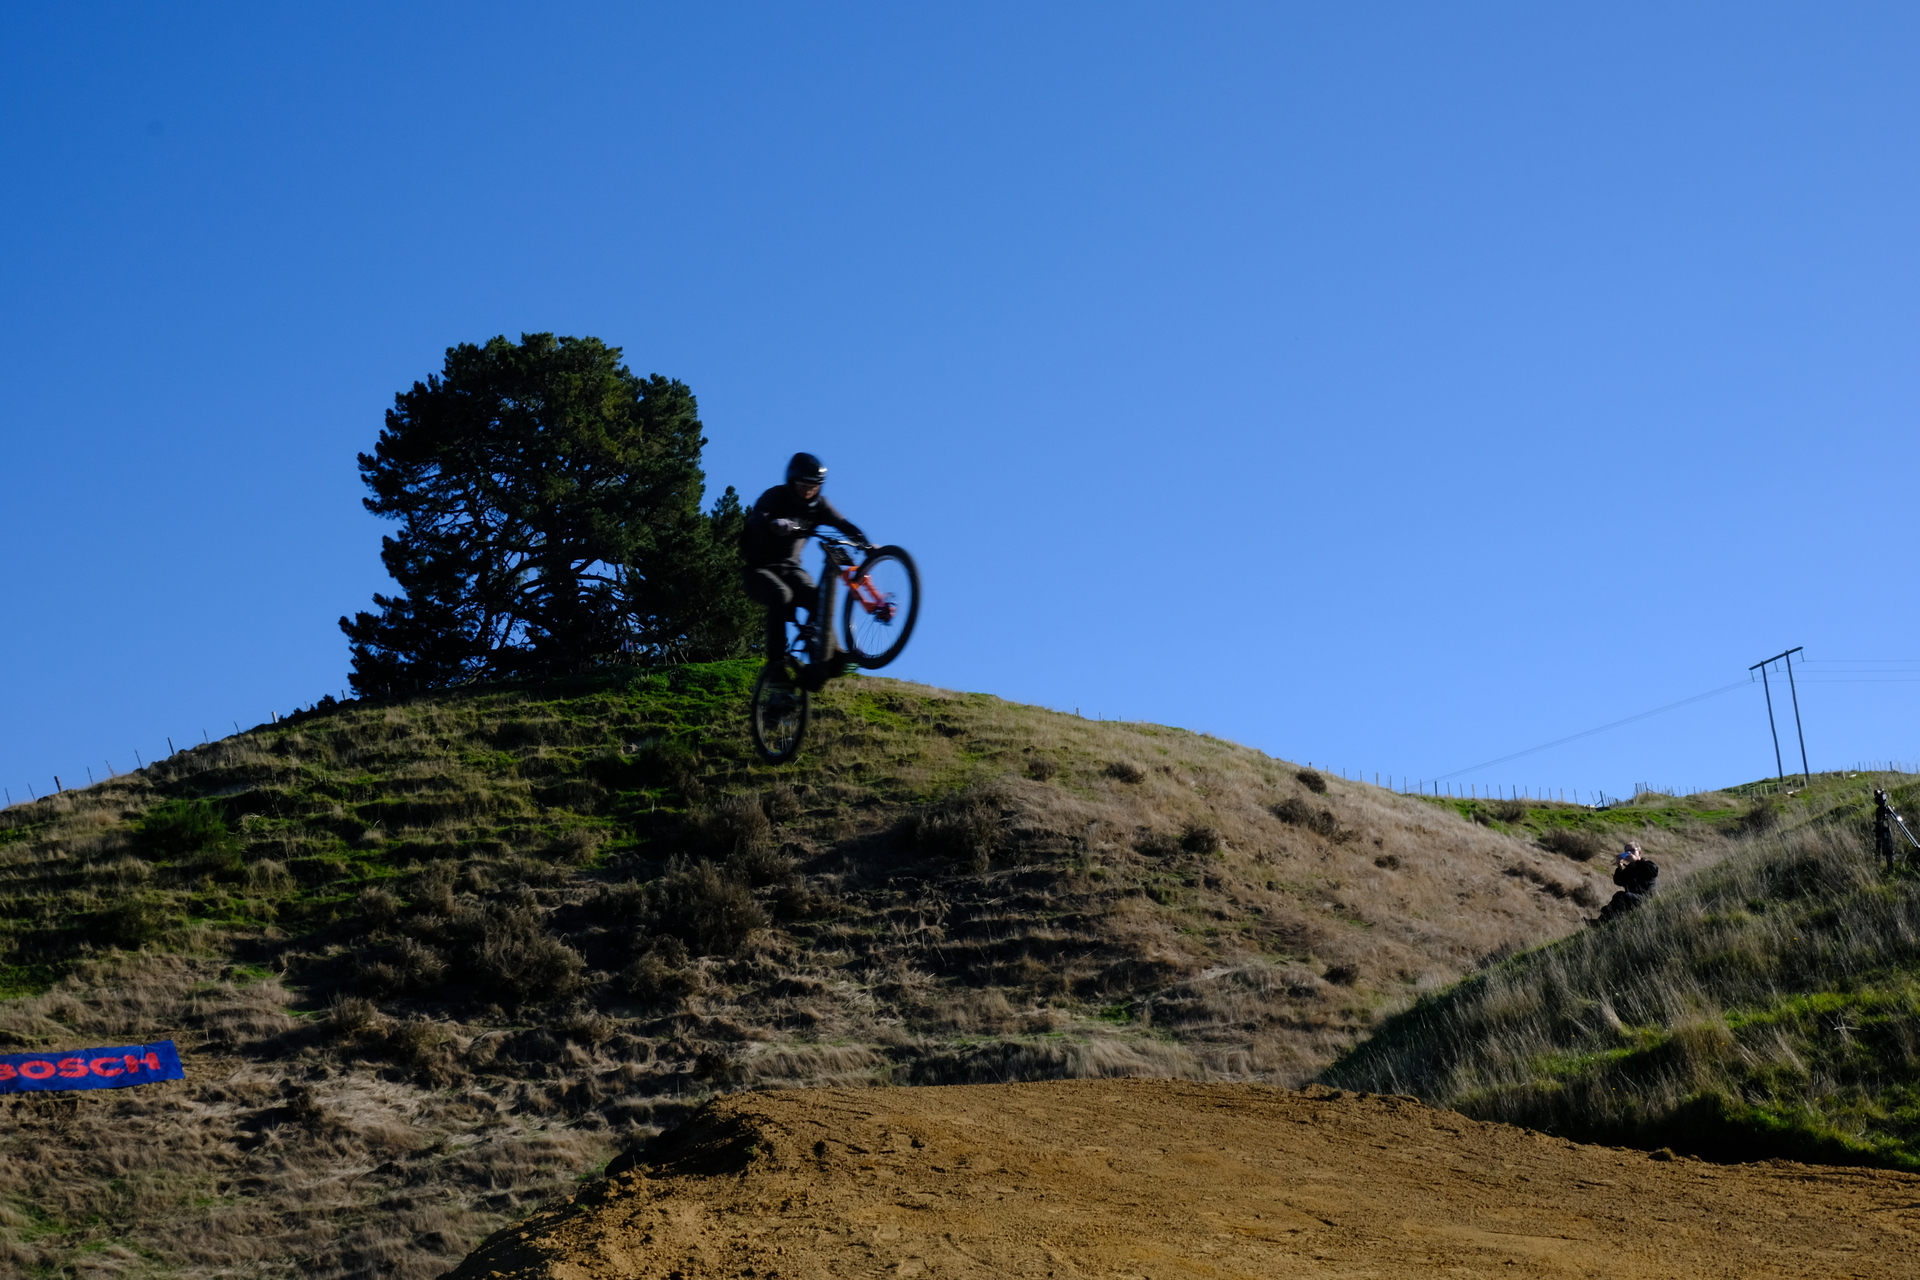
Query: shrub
pixel 1042 769
pixel 350 1014
pixel 737 833
pixel 132 922
pixel 1199 838
pixel 1157 845
pixel 584 1027
pixel 1312 781
pixel 426 1047
pixel 1581 846
pixel 408 966
pixel 761 865
pixel 190 833
pixel 1763 817
pixel 780 804
pixel 1508 810
pixel 965 827
pixel 1126 771
pixel 577 847
pixel 673 761
pixel 518 960
pixel 711 913
pixel 1301 814
pixel 269 876
pixel 732 825
pixel 128 873
pixel 378 907
pixel 433 889
pixel 619 904
pixel 659 975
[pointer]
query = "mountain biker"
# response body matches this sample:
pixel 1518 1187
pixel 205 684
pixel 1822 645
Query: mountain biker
pixel 777 529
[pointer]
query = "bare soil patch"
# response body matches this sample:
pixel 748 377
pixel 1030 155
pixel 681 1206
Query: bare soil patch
pixel 1163 1178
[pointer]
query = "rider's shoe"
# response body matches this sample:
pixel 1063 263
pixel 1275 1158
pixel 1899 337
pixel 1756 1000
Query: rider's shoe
pixel 814 676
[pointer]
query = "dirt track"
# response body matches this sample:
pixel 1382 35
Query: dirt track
pixel 1163 1179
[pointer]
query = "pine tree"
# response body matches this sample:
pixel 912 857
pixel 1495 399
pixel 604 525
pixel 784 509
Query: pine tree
pixel 550 512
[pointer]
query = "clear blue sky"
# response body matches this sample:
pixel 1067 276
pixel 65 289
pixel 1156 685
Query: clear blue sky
pixel 1391 386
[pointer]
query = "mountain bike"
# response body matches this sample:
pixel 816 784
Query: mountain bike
pixel 876 620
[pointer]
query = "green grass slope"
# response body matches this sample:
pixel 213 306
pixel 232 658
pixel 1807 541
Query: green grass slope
pixel 429 962
pixel 1768 1006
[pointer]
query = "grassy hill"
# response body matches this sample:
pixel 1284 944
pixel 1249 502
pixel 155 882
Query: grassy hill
pixel 430 962
pixel 1765 1007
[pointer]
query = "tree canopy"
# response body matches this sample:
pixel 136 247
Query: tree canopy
pixel 550 516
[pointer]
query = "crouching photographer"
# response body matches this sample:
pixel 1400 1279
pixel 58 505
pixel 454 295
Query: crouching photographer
pixel 1634 874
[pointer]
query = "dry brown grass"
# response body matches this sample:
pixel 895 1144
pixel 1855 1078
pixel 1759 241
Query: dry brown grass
pixel 1764 1008
pixel 274 1157
pixel 526 929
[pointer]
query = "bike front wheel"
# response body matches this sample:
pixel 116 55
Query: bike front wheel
pixel 883 603
pixel 778 718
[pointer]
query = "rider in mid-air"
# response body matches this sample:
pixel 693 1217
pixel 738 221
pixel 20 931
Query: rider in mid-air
pixel 777 530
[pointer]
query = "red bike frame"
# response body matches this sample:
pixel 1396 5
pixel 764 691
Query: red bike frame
pixel 863 590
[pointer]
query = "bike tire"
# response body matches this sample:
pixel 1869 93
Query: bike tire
pixel 869 641
pixel 777 717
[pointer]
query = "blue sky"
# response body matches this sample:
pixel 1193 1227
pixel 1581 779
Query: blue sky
pixel 1392 386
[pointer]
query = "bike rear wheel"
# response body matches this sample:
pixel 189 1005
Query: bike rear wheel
pixel 883 603
pixel 778 718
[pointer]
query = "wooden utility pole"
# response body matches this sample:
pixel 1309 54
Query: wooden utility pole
pixel 1780 769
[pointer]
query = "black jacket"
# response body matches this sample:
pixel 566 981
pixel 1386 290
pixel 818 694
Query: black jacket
pixel 763 544
pixel 1636 876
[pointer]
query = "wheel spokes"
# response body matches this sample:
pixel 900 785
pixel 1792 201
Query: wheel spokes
pixel 881 601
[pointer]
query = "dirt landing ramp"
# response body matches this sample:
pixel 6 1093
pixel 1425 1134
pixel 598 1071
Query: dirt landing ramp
pixel 1166 1179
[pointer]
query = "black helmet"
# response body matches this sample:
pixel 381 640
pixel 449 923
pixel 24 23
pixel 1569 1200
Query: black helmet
pixel 806 469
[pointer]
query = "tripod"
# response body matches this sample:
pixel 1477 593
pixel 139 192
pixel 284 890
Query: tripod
pixel 1885 823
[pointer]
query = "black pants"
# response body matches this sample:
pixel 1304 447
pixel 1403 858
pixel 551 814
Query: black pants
pixel 1622 903
pixel 781 588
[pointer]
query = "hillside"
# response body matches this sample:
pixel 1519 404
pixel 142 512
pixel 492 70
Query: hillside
pixel 1166 1178
pixel 431 962
pixel 1764 1007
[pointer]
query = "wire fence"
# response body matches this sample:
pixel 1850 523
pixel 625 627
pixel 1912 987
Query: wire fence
pixel 68 782
pixel 1410 786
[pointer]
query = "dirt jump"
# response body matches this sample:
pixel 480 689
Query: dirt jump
pixel 1162 1179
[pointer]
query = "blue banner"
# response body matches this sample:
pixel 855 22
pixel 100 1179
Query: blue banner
pixel 114 1068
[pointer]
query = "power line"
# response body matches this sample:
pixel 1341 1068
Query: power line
pixel 1862 678
pixel 1587 733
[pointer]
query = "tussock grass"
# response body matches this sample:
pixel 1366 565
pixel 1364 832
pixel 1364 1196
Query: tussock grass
pixel 461 948
pixel 255 1165
pixel 1765 1007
